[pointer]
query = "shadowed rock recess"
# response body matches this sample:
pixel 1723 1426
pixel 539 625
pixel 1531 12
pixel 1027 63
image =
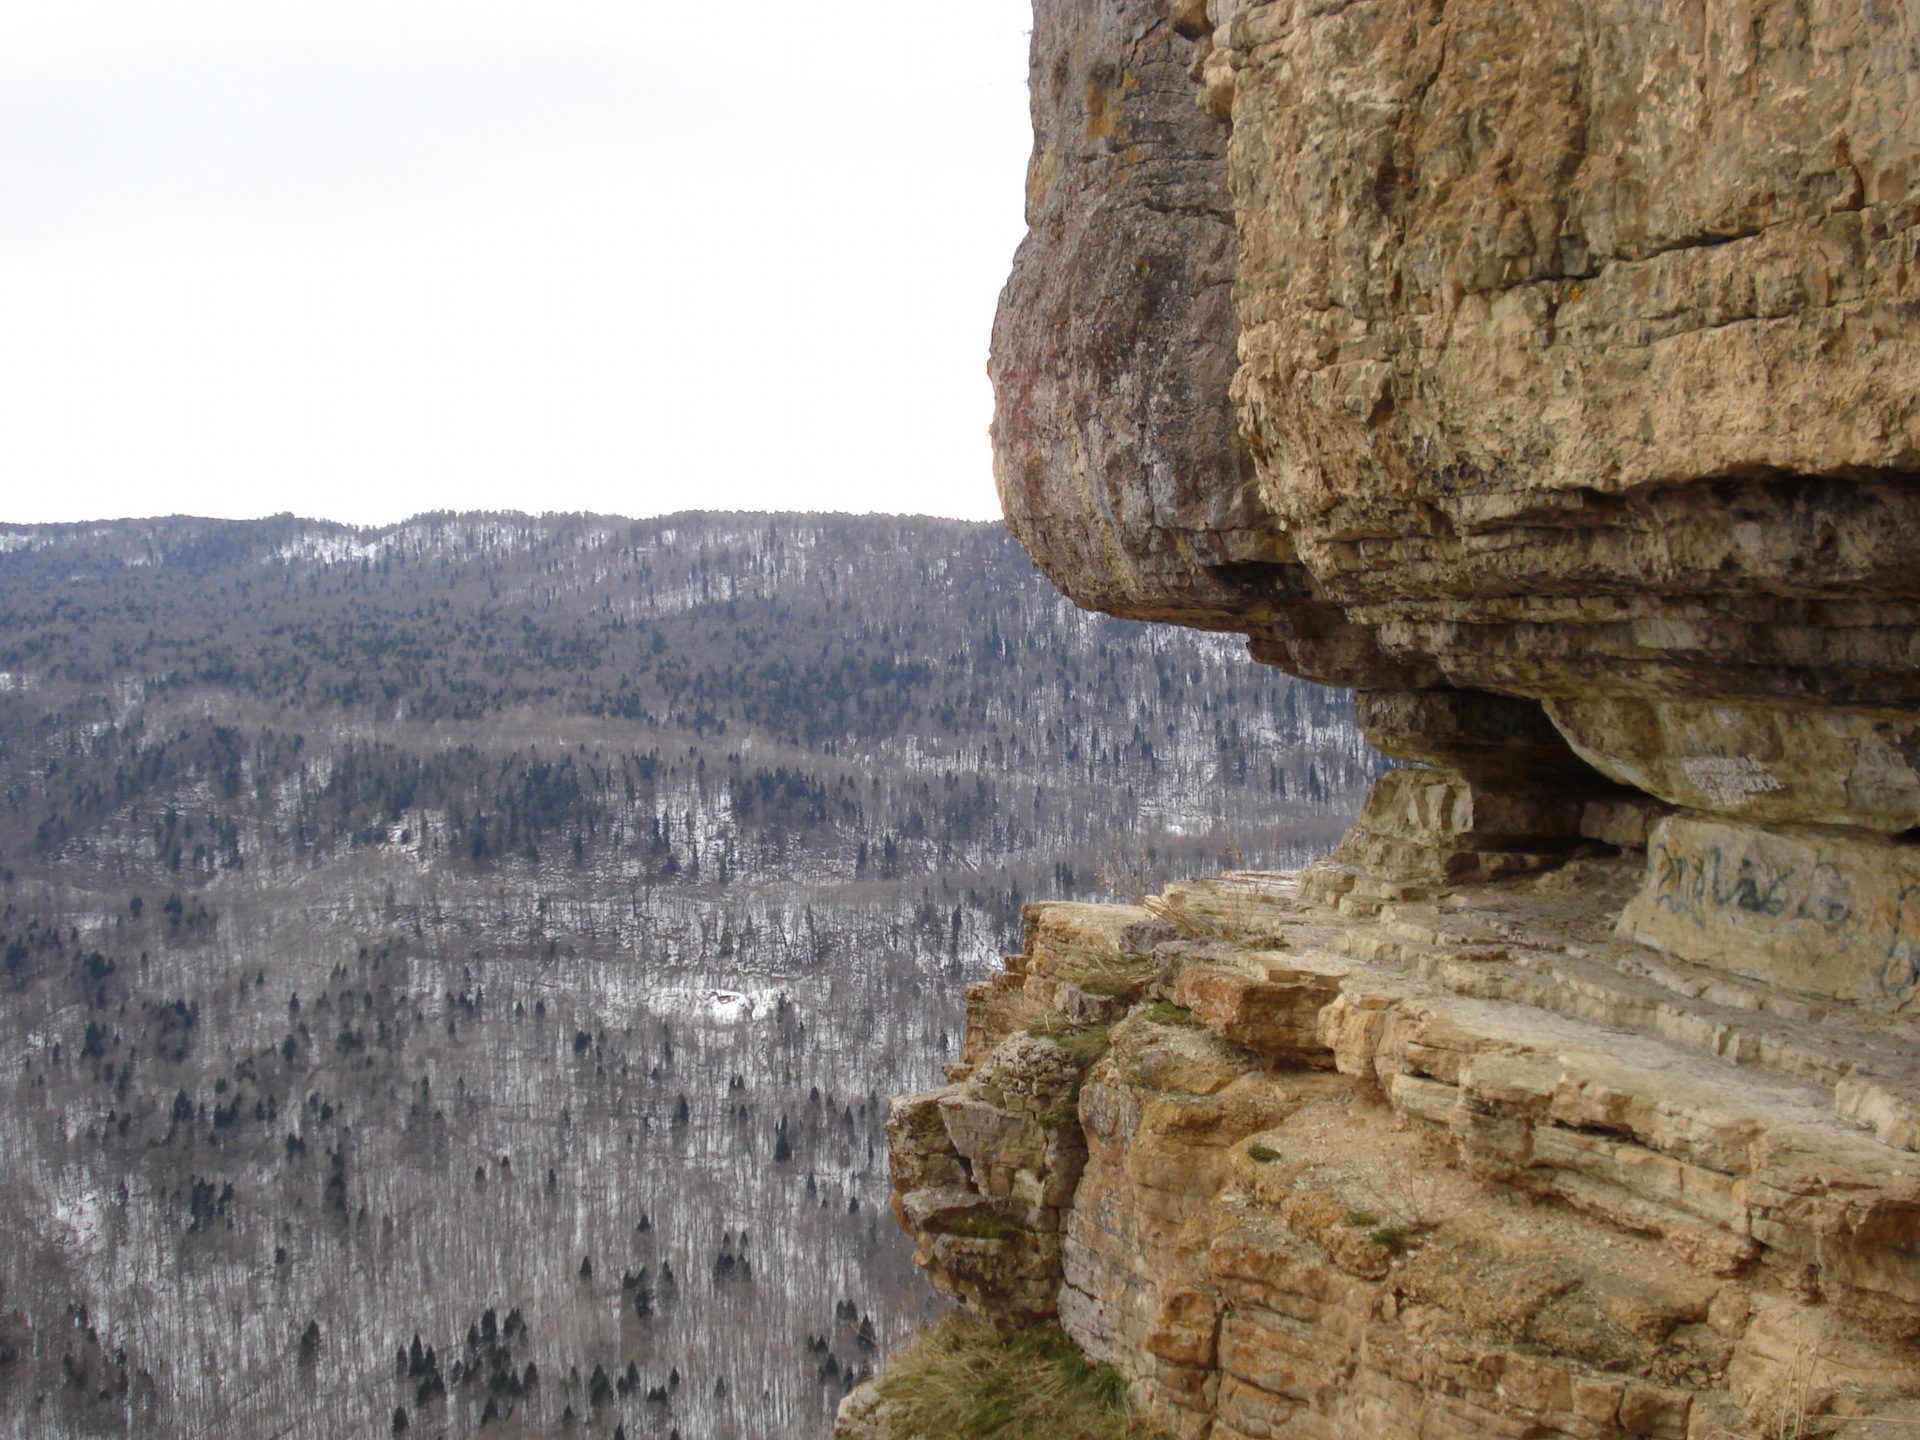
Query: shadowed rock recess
pixel 1549 373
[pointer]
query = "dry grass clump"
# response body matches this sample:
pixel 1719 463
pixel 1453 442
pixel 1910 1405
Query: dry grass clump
pixel 1133 881
pixel 1797 1409
pixel 1232 906
pixel 966 1380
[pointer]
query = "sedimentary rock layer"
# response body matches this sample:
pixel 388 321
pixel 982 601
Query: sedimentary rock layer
pixel 1569 351
pixel 1428 1162
pixel 1548 371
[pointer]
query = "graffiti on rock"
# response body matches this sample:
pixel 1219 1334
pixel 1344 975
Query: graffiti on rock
pixel 1696 886
pixel 1820 901
pixel 1900 967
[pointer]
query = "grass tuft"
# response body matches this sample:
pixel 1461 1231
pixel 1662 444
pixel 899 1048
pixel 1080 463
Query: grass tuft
pixel 1262 1154
pixel 1392 1238
pixel 966 1378
pixel 1360 1219
pixel 1165 1012
pixel 981 1225
pixel 1086 1045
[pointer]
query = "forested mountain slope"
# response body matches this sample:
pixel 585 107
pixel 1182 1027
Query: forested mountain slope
pixel 501 931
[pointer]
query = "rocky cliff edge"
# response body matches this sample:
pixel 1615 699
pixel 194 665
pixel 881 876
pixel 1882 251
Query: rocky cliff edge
pixel 1549 373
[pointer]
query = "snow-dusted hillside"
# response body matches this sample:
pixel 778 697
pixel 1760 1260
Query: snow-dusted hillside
pixel 526 918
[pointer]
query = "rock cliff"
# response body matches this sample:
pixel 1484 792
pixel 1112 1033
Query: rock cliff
pixel 1549 373
pixel 1567 352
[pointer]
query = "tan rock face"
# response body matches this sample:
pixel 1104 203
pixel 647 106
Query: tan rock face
pixel 1139 432
pixel 1548 372
pixel 983 1171
pixel 1468 1165
pixel 1567 351
pixel 1115 439
pixel 1810 910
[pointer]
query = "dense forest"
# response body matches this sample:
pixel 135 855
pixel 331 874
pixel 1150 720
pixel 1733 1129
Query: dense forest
pixel 453 973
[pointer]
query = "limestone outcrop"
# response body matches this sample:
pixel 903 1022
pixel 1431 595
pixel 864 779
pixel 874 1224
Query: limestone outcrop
pixel 1460 1161
pixel 1566 352
pixel 1548 373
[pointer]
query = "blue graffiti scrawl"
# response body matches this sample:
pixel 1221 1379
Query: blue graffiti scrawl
pixel 1697 888
pixel 1828 902
pixel 1899 975
pixel 1818 915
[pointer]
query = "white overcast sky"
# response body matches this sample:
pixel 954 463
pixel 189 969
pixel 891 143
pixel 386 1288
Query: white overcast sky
pixel 363 258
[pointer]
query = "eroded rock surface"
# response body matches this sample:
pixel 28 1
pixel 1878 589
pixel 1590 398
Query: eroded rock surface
pixel 1465 1162
pixel 1548 372
pixel 1567 351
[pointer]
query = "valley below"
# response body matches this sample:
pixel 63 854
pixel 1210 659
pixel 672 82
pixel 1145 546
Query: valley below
pixel 455 975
